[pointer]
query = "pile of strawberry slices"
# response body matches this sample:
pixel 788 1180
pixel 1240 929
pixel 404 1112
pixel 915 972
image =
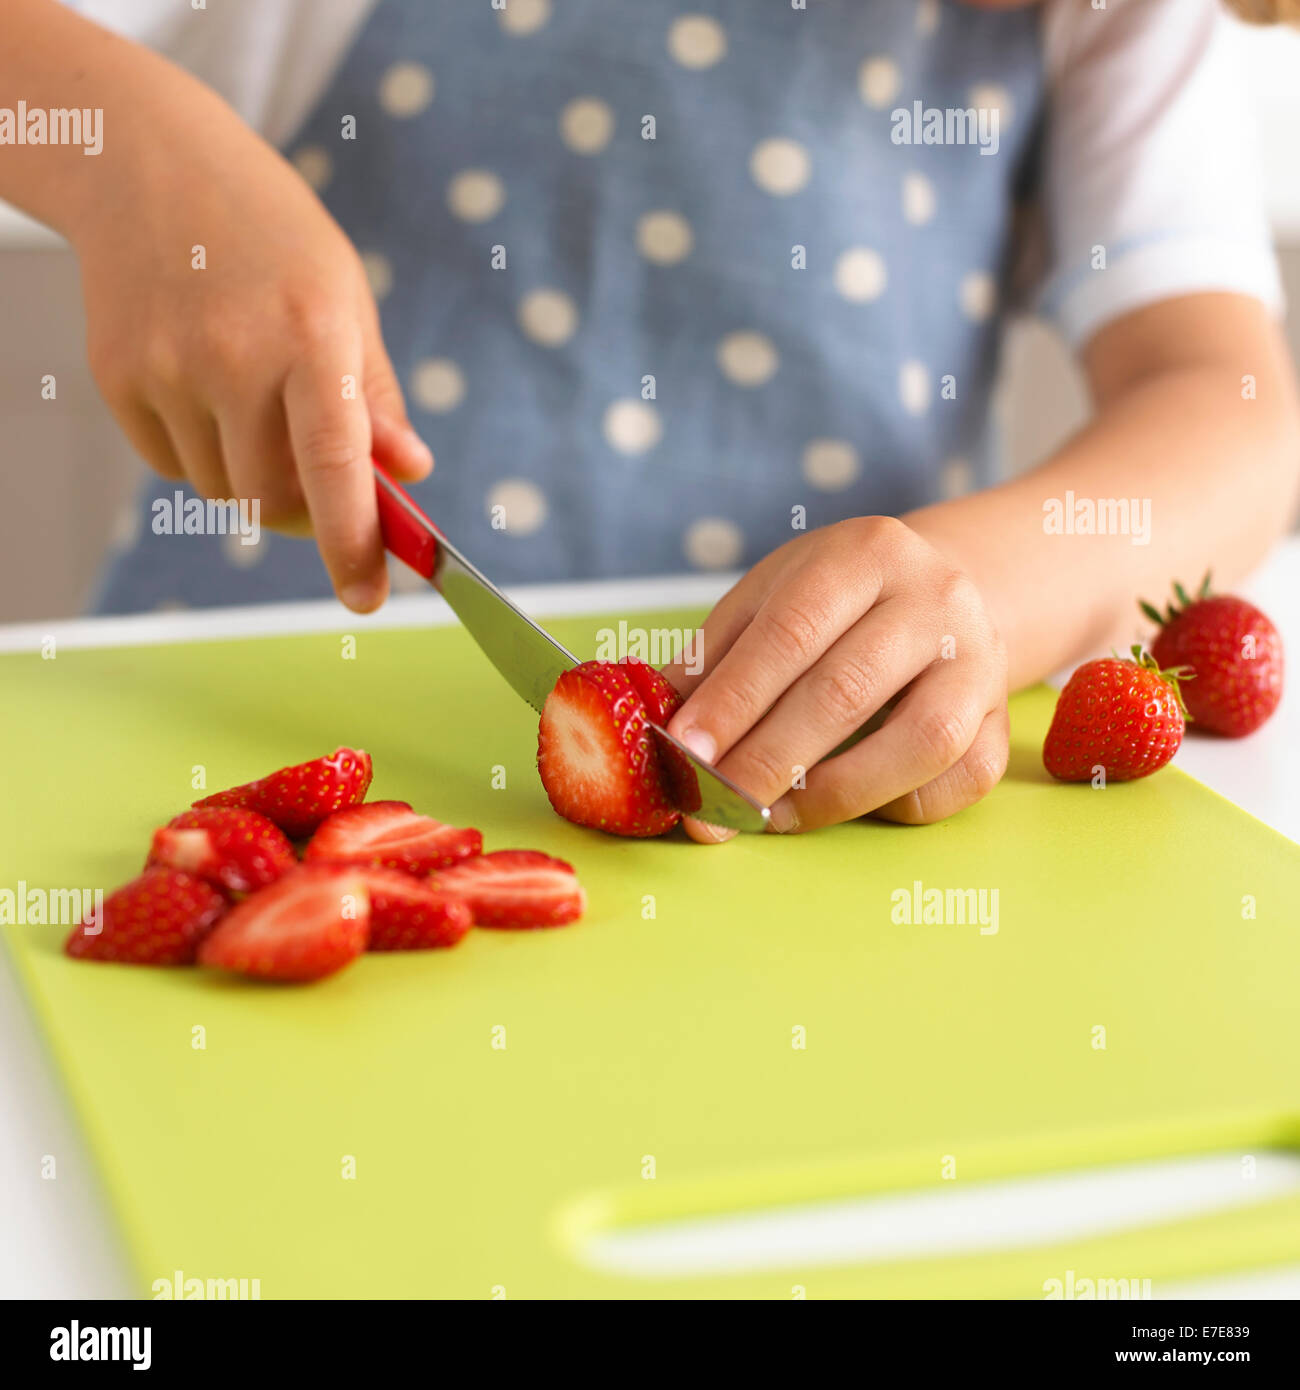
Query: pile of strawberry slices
pixel 224 884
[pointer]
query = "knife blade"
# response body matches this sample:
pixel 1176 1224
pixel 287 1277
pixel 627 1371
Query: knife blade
pixel 528 656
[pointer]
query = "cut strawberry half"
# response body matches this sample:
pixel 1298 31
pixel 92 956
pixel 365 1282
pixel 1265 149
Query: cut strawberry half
pixel 516 888
pixel 410 914
pixel 306 925
pixel 597 756
pixel 156 919
pixel 389 835
pixel 298 798
pixel 235 849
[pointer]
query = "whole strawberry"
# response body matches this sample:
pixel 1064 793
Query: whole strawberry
pixel 1126 717
pixel 1235 652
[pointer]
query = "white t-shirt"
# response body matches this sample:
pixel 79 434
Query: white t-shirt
pixel 1151 189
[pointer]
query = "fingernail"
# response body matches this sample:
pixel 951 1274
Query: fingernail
pixel 701 743
pixel 362 597
pixel 419 449
pixel 714 834
pixel 783 818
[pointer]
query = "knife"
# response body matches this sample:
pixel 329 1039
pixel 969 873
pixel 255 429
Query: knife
pixel 528 656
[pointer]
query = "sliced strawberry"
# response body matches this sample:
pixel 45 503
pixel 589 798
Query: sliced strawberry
pixel 516 888
pixel 298 798
pixel 410 914
pixel 309 923
pixel 233 848
pixel 389 835
pixel 662 701
pixel 156 919
pixel 597 756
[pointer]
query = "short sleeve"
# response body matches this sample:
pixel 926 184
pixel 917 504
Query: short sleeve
pixel 1151 186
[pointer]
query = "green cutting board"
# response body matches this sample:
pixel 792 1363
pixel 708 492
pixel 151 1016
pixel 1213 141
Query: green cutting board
pixel 365 1137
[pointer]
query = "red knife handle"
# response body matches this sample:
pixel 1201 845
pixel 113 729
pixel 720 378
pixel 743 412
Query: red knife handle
pixel 407 532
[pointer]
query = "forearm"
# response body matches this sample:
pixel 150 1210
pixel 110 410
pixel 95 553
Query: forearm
pixel 1217 476
pixel 53 59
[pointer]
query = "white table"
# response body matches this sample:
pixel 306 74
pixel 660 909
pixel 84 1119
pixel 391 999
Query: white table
pixel 55 1237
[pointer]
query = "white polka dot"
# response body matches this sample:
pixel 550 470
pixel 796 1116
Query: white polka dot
pixel 914 388
pixel 748 359
pixel 978 295
pixel 315 165
pixel 586 125
pixel 878 81
pixel 918 199
pixel 780 167
pixel 713 544
pixel 523 507
pixel 632 426
pixel 437 384
pixel 127 526
pixel 241 556
pixel 831 464
pixel 378 272
pixel 548 317
pixel 664 237
pixel 860 274
pixel 524 16
pixel 474 195
pixel 406 89
pixel 991 96
pixel 696 41
pixel 957 477
pixel 927 17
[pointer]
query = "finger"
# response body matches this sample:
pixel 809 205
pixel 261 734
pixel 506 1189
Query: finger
pixel 197 442
pixel 882 652
pixel 930 729
pixel 798 621
pixel 705 834
pixel 726 621
pixel 259 459
pixel 330 435
pixel 394 441
pixel 967 781
pixel 148 436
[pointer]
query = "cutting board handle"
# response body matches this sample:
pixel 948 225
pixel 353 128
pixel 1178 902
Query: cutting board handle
pixel 407 532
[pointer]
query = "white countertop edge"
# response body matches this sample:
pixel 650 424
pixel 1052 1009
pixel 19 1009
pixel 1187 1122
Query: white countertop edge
pixel 328 615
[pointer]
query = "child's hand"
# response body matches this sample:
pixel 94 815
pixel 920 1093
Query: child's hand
pixel 812 642
pixel 262 374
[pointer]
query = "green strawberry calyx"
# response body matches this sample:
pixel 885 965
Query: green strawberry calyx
pixel 1171 675
pixel 1176 610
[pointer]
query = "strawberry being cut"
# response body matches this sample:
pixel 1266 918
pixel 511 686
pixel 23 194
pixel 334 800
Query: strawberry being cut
pixel 308 924
pixel 298 798
pixel 662 701
pixel 515 888
pixel 410 914
pixel 1235 651
pixel 597 757
pixel 1126 717
pixel 156 919
pixel 389 835
pixel 233 848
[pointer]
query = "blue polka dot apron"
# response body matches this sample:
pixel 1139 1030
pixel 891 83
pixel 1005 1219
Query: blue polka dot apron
pixel 662 282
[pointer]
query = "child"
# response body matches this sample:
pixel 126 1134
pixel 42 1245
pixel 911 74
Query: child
pixel 714 287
